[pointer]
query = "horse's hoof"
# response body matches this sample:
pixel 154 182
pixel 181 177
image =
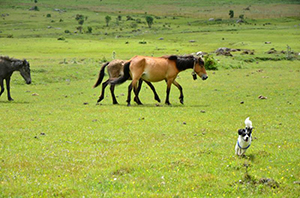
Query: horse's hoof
pixel 115 103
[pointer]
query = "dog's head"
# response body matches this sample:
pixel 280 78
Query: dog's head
pixel 245 133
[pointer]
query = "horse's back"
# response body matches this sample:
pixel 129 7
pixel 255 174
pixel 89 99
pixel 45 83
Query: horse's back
pixel 153 69
pixel 115 68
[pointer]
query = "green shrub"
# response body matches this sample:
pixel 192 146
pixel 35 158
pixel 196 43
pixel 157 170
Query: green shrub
pixel 210 63
pixel 90 29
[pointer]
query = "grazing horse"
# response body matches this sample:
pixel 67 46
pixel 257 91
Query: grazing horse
pixel 115 70
pixel 7 67
pixel 154 69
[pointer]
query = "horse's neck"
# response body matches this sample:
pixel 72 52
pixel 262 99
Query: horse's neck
pixel 14 66
pixel 184 64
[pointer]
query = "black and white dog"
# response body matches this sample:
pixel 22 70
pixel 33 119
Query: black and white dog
pixel 244 139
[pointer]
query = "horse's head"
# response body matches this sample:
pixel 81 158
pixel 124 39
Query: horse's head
pixel 199 69
pixel 25 71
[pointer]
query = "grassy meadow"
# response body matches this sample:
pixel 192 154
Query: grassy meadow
pixel 56 142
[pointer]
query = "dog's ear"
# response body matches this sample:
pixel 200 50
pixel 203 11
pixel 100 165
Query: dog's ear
pixel 241 131
pixel 249 129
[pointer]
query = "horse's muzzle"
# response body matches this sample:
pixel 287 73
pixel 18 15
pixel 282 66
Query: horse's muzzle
pixel 204 77
pixel 28 82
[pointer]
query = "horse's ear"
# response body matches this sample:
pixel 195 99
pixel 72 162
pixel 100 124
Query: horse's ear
pixel 200 60
pixel 172 57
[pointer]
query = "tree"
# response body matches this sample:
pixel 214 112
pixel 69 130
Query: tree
pixel 149 20
pixel 231 13
pixel 80 19
pixel 107 20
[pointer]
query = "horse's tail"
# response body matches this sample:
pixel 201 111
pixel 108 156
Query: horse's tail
pixel 125 76
pixel 101 75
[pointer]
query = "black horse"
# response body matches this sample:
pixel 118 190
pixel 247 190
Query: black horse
pixel 7 67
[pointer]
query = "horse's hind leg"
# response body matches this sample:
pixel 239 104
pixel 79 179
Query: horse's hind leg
pixel 112 91
pixel 180 89
pixel 156 97
pixel 137 91
pixel 102 92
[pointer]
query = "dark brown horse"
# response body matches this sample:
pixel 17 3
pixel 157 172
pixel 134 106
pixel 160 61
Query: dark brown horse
pixel 115 70
pixel 157 69
pixel 7 67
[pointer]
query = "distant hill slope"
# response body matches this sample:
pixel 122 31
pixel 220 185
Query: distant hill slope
pixel 199 9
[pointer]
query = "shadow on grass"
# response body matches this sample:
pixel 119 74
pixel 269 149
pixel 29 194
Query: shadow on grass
pixel 13 102
pixel 251 157
pixel 157 105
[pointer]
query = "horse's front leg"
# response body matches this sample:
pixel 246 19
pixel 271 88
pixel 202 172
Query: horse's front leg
pixel 2 87
pixel 8 89
pixel 137 91
pixel 180 89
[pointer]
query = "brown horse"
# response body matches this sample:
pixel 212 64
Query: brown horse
pixel 157 69
pixel 115 70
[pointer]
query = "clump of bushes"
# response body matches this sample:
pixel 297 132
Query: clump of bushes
pixel 34 8
pixel 89 30
pixel 210 63
pixel 80 19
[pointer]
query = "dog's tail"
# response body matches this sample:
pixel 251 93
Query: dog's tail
pixel 101 75
pixel 126 75
pixel 248 122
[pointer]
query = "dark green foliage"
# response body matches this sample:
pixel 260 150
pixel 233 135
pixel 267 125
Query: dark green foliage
pixel 149 21
pixel 210 63
pixel 231 13
pixel 90 29
pixel 79 17
pixel 80 22
pixel 34 8
pixel 129 18
pixel 107 20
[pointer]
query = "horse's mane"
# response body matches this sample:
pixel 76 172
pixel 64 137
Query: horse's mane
pixel 170 57
pixel 185 62
pixel 6 58
pixel 182 62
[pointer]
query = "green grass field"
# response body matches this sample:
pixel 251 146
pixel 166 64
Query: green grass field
pixel 56 142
